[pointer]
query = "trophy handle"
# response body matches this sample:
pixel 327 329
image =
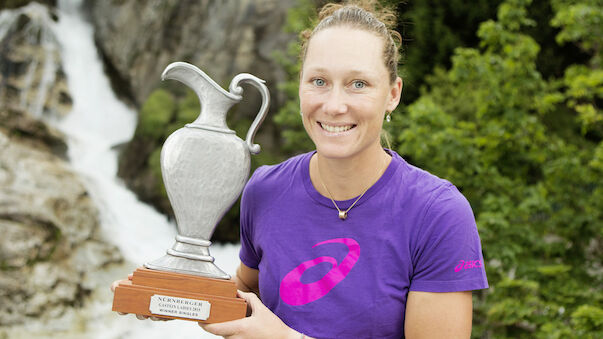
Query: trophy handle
pixel 237 90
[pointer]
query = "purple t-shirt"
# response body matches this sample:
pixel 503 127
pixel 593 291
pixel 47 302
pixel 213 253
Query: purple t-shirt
pixel 329 278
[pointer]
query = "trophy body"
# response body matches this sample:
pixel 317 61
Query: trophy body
pixel 204 167
pixel 202 183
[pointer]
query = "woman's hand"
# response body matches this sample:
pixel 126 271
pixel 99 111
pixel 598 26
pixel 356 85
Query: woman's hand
pixel 139 316
pixel 261 324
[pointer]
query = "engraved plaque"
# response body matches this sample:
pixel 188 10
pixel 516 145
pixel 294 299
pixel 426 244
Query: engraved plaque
pixel 180 307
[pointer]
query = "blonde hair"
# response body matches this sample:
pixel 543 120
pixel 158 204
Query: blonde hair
pixel 365 15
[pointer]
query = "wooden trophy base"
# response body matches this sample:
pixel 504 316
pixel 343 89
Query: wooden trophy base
pixel 179 296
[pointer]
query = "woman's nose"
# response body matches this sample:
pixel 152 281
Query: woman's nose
pixel 336 102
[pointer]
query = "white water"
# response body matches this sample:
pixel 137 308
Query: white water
pixel 98 122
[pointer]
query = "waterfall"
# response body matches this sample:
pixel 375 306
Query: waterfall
pixel 97 124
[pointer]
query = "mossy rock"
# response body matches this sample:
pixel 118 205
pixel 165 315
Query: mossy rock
pixel 155 167
pixel 155 114
pixel 189 108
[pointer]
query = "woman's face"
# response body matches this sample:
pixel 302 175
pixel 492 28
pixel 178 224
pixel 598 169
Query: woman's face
pixel 344 92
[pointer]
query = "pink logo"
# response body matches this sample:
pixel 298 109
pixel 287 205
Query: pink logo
pixel 465 265
pixel 294 292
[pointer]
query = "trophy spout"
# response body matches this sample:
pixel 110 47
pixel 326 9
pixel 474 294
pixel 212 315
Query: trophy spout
pixel 215 101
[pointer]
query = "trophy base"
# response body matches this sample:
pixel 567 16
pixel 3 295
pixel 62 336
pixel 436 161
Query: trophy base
pixel 176 264
pixel 179 296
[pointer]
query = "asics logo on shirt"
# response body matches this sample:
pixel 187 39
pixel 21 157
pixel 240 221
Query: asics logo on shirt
pixel 293 292
pixel 465 265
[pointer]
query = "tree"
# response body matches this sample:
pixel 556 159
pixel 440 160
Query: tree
pixel 487 125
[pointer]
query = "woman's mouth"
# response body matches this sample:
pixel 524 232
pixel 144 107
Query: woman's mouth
pixel 336 129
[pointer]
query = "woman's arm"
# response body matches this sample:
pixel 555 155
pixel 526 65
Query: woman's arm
pixel 438 315
pixel 246 279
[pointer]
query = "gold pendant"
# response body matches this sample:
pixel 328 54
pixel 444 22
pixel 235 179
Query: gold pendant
pixel 343 215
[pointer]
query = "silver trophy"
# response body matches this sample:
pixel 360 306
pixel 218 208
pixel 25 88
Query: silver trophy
pixel 205 167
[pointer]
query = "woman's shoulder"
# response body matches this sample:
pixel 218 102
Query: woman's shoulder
pixel 419 181
pixel 427 188
pixel 268 177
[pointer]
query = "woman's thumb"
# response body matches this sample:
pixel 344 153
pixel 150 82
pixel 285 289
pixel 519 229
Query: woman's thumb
pixel 252 300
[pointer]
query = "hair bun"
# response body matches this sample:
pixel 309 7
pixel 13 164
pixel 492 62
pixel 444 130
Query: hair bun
pixel 382 13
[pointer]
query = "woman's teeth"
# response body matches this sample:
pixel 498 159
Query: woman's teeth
pixel 335 129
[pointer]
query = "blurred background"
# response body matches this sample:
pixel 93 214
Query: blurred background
pixel 502 98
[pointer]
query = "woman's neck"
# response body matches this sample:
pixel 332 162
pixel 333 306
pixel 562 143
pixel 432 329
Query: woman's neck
pixel 347 178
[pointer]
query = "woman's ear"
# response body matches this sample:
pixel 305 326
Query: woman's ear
pixel 394 94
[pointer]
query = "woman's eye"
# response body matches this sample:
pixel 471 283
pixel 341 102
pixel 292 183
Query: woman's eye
pixel 319 82
pixel 359 84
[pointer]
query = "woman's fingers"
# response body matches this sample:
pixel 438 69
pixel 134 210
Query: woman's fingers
pixel 158 319
pixel 250 298
pixel 254 303
pixel 138 316
pixel 114 285
pixel 224 329
pixel 117 282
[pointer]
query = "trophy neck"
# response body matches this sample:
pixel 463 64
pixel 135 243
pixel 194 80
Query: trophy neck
pixel 213 115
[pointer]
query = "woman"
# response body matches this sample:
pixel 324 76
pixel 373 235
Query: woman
pixel 350 241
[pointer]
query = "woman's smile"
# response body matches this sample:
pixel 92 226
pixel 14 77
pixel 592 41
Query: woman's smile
pixel 335 128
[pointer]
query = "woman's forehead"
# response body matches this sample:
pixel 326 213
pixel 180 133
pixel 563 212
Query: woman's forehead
pixel 344 48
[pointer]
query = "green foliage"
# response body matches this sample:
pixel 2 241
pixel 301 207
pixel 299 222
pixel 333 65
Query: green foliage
pixel 188 108
pixel 536 192
pixel 584 88
pixel 431 30
pixel 155 168
pixel 161 109
pixel 589 319
pixel 155 113
pixel 580 22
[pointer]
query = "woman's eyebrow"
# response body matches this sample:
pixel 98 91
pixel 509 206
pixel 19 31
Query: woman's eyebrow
pixel 317 69
pixel 353 72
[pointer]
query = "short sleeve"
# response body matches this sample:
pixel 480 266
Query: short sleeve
pixel 248 252
pixel 447 254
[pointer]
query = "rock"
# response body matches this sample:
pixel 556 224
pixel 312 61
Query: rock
pixel 138 39
pixel 20 3
pixel 24 243
pixel 50 230
pixel 31 75
pixel 33 131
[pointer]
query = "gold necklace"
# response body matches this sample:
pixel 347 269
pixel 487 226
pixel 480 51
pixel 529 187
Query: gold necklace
pixel 342 214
